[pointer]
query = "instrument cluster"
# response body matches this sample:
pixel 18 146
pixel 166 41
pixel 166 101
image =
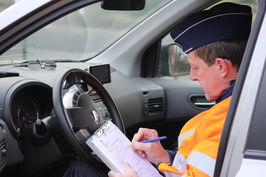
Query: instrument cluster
pixel 25 110
pixel 29 104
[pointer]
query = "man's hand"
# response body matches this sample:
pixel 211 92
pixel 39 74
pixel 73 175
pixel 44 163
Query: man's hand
pixel 153 151
pixel 129 172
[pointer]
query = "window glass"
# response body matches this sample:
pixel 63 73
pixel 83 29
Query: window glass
pixel 257 130
pixel 80 35
pixel 173 62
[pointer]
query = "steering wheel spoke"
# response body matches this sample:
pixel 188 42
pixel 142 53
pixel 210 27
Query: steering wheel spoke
pixel 82 117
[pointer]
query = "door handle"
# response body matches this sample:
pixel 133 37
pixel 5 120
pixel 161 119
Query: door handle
pixel 204 103
pixel 200 102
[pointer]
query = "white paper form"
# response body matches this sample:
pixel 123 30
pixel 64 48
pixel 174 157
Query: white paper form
pixel 113 148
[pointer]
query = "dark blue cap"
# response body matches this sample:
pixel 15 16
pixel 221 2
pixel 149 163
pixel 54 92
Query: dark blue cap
pixel 221 22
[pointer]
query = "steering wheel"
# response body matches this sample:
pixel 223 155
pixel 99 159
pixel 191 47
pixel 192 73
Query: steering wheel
pixel 81 106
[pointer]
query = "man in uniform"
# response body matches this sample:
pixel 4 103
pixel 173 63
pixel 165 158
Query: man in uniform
pixel 214 40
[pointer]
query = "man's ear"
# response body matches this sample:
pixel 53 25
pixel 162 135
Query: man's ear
pixel 222 66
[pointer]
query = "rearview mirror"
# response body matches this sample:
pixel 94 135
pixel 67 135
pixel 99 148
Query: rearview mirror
pixel 123 4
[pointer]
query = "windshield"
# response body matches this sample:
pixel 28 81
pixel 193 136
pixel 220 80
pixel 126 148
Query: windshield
pixel 80 35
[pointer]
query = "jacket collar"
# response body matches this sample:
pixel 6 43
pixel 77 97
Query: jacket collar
pixel 227 93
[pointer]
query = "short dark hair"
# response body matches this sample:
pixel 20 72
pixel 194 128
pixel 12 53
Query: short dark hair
pixel 230 49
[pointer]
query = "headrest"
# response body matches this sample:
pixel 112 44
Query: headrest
pixel 221 22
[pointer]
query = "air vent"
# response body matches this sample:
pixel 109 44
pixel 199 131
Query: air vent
pixel 155 106
pixel 3 152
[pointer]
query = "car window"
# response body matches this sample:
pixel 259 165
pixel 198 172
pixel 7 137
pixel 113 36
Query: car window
pixel 173 62
pixel 256 144
pixel 82 34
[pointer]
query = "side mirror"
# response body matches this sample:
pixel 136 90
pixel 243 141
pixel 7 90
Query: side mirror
pixel 177 60
pixel 123 4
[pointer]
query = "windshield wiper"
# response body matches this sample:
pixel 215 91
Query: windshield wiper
pixel 8 74
pixel 43 64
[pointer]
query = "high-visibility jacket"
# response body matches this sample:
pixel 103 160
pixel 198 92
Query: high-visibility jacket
pixel 198 144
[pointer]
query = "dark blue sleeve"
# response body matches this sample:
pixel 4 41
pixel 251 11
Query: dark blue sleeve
pixel 172 154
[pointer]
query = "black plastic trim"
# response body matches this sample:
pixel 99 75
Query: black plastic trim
pixel 255 154
pixel 150 60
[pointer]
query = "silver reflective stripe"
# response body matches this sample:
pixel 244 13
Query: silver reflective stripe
pixel 180 162
pixel 202 162
pixel 184 136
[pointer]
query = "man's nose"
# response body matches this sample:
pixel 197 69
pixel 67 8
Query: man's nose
pixel 193 76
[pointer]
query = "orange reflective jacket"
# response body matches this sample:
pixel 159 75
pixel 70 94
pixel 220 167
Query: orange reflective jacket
pixel 198 144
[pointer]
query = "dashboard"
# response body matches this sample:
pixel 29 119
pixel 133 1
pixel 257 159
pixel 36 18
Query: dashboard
pixel 27 99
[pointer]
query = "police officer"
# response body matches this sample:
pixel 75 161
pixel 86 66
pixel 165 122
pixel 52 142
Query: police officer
pixel 214 40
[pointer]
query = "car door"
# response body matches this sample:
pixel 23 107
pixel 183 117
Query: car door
pixel 254 156
pixel 242 147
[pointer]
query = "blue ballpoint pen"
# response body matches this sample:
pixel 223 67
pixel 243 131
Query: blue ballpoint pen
pixel 154 139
